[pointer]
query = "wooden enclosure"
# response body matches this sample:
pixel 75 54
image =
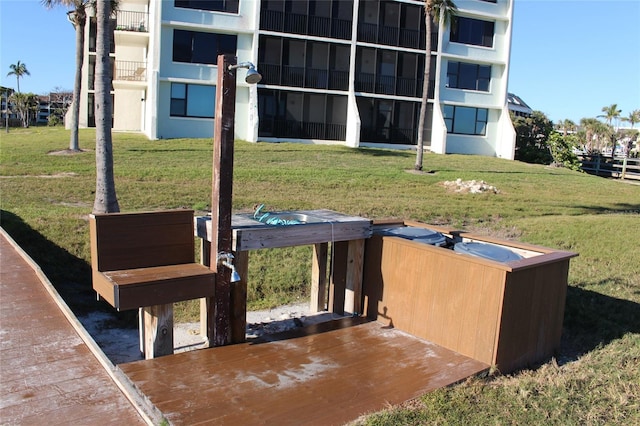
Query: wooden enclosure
pixel 505 314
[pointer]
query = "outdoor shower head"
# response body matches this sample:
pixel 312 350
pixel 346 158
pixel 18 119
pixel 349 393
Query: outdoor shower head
pixel 253 76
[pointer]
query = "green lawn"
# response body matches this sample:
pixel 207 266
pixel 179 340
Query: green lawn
pixel 596 376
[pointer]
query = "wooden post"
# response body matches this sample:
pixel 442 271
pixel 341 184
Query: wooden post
pixel 353 292
pixel 624 167
pixel 205 259
pixel 158 330
pixel 219 308
pixel 319 277
pixel 338 276
pixel 238 319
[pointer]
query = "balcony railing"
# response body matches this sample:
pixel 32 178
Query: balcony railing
pixel 393 36
pixel 391 135
pixel 284 75
pixel 278 128
pixel 320 26
pixel 389 85
pixel 130 71
pixel 127 20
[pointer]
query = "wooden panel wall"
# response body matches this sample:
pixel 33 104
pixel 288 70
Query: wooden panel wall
pixel 148 238
pixel 507 315
pixel 532 315
pixel 434 294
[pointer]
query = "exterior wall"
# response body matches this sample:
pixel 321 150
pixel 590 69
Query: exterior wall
pixel 499 139
pixel 144 105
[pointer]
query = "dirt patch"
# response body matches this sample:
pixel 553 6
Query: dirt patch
pixel 68 152
pixel 53 176
pixel 421 172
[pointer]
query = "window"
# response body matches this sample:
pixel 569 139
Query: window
pixel 461 75
pixel 230 6
pixel 192 100
pixel 472 31
pixel 465 120
pixel 201 48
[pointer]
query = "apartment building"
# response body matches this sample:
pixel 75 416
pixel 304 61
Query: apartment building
pixel 344 72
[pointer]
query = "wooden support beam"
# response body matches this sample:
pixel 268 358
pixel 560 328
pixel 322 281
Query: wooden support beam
pixel 158 330
pixel 319 277
pixel 353 291
pixel 219 308
pixel 239 299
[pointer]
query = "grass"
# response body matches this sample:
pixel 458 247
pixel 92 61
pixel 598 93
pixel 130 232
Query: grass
pixel 595 379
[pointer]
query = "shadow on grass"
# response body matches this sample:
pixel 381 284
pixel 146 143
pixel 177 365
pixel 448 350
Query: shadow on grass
pixel 618 208
pixel 70 275
pixel 593 319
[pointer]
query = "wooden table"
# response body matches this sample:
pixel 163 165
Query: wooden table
pixel 346 233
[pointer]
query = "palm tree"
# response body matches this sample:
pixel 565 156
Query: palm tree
pixel 18 69
pixel 566 126
pixel 611 113
pixel 441 11
pixel 78 18
pixel 106 200
pixel 595 133
pixel 633 118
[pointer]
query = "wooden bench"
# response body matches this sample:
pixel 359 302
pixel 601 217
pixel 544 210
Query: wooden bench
pixel 146 260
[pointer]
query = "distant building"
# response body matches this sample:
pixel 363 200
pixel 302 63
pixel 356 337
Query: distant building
pixel 344 72
pixel 518 106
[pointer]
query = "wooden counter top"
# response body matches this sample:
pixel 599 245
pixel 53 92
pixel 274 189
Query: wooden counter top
pixel 250 234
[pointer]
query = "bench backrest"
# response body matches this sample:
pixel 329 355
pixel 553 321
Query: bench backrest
pixel 140 240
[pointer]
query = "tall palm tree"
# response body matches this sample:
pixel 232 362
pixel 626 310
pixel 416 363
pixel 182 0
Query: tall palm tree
pixel 633 118
pixel 441 11
pixel 611 113
pixel 78 18
pixel 18 69
pixel 106 200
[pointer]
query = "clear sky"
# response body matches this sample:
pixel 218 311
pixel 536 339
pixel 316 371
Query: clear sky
pixel 569 58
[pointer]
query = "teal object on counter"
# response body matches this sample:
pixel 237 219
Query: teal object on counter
pixel 269 219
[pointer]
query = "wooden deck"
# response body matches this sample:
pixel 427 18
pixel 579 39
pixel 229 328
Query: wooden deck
pixel 326 374
pixel 48 373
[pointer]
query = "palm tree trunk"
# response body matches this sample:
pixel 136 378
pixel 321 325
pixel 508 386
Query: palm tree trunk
pixel 74 143
pixel 425 94
pixel 106 200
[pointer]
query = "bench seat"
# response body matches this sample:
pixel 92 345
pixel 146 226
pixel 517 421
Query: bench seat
pixel 155 285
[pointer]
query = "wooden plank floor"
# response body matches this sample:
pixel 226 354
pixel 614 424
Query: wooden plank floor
pixel 47 372
pixel 327 374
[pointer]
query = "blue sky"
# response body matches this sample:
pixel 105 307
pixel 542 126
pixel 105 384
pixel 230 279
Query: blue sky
pixel 569 58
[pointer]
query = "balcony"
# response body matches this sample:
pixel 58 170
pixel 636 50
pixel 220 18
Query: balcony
pixel 390 85
pixel 130 73
pixel 273 127
pixel 393 36
pixel 132 28
pixel 284 75
pixel 127 20
pixel 320 26
pixel 390 135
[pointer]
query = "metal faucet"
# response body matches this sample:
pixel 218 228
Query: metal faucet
pixel 226 259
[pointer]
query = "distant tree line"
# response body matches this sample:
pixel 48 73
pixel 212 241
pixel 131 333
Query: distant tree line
pixel 539 140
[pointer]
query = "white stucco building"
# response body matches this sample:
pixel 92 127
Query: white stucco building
pixel 334 71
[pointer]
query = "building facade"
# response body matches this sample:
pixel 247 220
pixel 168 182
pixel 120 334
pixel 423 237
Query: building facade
pixel 344 72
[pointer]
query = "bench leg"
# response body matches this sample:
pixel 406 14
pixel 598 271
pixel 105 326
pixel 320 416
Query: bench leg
pixel 158 330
